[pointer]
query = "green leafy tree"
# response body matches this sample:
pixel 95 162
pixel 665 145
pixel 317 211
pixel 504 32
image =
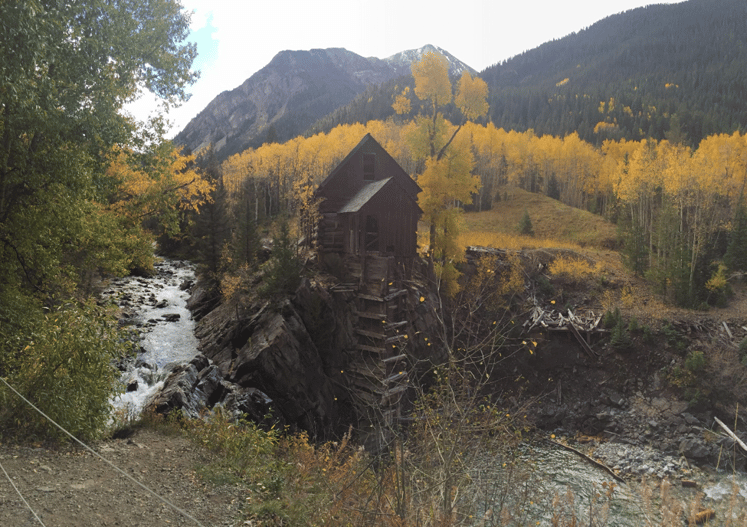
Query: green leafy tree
pixel 66 71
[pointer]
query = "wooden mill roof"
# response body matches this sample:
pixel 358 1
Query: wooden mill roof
pixel 364 195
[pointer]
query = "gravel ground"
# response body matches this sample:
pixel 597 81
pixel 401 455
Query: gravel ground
pixel 69 486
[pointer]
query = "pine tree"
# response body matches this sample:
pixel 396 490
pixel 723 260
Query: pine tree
pixel 553 188
pixel 635 250
pixel 284 273
pixel 736 252
pixel 212 228
pixel 525 226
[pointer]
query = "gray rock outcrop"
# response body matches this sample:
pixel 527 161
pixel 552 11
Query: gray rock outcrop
pixel 288 358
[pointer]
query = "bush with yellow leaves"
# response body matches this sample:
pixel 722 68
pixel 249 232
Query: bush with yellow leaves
pixel 573 270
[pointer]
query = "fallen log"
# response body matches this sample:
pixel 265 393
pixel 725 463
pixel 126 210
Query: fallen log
pixel 731 434
pixel 582 341
pixel 594 462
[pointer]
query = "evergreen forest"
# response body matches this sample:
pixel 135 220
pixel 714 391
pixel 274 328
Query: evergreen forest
pixel 673 72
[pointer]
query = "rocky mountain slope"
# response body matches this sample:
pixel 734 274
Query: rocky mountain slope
pixel 289 94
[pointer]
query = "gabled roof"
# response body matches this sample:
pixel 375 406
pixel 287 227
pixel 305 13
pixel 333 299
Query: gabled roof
pixel 344 162
pixel 406 182
pixel 364 195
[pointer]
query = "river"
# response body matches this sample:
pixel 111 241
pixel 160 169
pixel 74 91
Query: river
pixel 157 307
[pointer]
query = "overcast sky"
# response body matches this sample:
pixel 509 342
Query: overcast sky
pixel 236 38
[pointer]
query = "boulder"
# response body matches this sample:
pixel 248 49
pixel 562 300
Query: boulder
pixel 249 403
pixel 202 301
pixel 189 388
pixel 693 448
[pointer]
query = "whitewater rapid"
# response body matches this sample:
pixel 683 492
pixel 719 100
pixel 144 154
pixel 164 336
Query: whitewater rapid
pixel 155 307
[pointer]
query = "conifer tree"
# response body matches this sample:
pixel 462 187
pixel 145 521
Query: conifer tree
pixel 735 258
pixel 212 228
pixel 525 225
pixel 284 269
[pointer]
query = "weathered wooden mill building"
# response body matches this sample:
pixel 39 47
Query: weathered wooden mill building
pixel 369 205
pixel 369 225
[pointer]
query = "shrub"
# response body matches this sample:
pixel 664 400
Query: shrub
pixel 66 369
pixel 611 318
pixel 695 361
pixel 648 334
pixel 673 337
pixel 572 270
pixel 291 480
pixel 620 337
pixel 545 286
pixel 743 349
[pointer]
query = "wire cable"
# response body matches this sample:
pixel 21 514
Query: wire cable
pixel 92 451
pixel 21 495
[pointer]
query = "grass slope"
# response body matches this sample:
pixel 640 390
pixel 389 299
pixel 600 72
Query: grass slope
pixel 554 224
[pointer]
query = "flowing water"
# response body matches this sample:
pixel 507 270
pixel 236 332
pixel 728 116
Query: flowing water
pixel 590 492
pixel 157 307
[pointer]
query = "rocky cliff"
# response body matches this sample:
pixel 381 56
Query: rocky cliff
pixel 303 358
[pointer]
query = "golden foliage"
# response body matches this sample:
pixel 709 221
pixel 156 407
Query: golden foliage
pixel 402 104
pixel 496 282
pixel 432 82
pixel 574 270
pixel 472 96
pixel 163 181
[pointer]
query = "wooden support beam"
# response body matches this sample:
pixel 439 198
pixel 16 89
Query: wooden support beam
pixel 582 341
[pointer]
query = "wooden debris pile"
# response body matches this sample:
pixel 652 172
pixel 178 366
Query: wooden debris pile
pixel 553 320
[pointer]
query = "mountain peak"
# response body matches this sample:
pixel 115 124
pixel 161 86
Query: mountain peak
pixel 295 89
pixel 406 58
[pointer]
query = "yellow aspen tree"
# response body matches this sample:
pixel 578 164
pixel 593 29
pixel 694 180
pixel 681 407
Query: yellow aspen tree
pixel 490 163
pixel 447 179
pixel 160 184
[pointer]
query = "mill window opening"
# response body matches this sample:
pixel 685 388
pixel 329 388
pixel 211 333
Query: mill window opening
pixel 369 167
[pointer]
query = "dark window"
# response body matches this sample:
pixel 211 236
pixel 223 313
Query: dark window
pixel 369 167
pixel 372 234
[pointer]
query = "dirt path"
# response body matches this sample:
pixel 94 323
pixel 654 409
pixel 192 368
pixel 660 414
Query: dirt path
pixel 71 487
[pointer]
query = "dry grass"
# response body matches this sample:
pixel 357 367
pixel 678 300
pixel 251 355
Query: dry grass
pixel 554 224
pixel 578 239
